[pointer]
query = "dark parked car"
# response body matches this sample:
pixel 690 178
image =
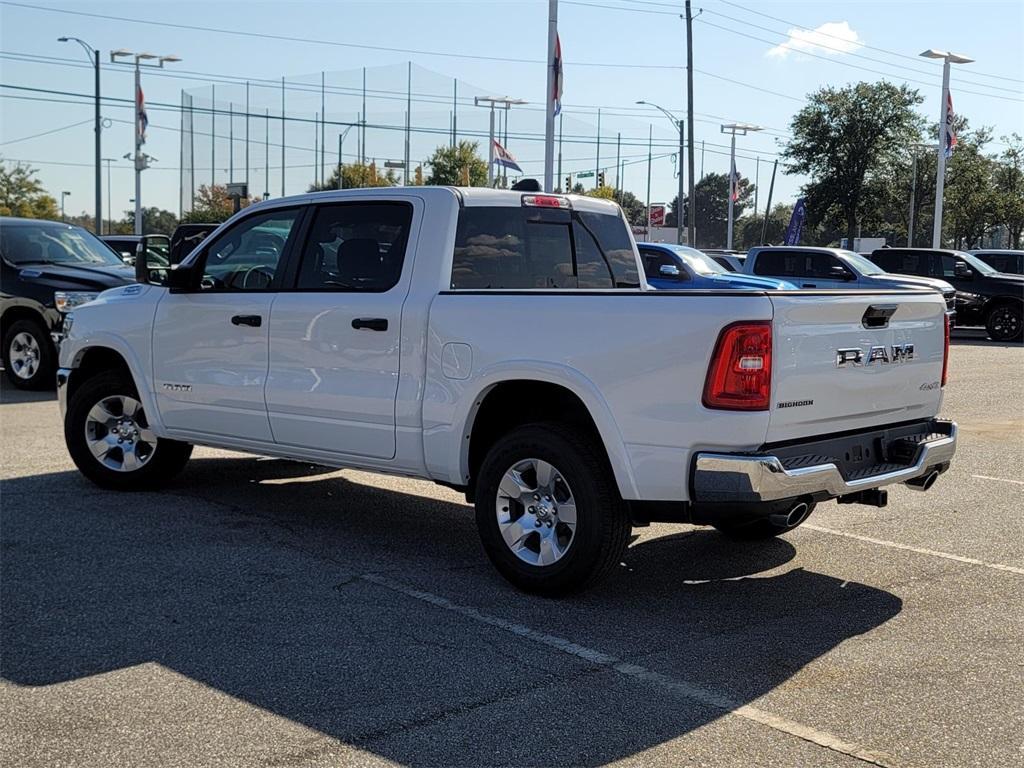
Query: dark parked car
pixel 127 246
pixel 983 295
pixel 46 269
pixel 1006 261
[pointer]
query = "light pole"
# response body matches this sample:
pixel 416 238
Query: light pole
pixel 94 57
pixel 341 164
pixel 742 129
pixel 62 196
pixel 945 117
pixel 141 159
pixel 678 124
pixel 492 101
pixel 913 189
pixel 108 161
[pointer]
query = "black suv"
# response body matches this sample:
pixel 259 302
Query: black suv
pixel 983 295
pixel 46 269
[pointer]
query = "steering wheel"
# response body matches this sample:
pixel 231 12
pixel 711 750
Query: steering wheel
pixel 265 277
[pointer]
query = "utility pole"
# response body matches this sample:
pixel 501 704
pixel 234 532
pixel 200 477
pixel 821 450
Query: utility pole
pixel 62 196
pixel 767 208
pixel 108 160
pixel 678 125
pixel 553 86
pixel 597 162
pixel 94 57
pixel 505 101
pixel 650 146
pixel 945 126
pixel 734 184
pixel 618 167
pixel 691 230
pixel 141 159
pixel 560 151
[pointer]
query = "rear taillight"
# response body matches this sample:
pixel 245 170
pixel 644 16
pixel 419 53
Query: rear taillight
pixel 740 374
pixel 945 351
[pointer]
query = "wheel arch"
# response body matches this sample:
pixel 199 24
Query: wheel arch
pixel 506 402
pixel 92 359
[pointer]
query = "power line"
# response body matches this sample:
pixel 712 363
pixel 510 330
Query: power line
pixel 855 55
pixel 314 41
pixel 854 66
pixel 45 133
pixel 872 47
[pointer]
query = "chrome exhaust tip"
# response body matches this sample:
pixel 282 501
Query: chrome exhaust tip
pixel 924 482
pixel 791 519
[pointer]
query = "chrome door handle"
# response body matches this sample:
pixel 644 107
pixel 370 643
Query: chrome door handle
pixel 370 323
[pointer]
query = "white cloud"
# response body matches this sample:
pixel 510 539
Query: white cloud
pixel 832 38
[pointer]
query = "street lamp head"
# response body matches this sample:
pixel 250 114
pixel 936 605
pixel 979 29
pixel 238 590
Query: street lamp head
pixel 146 56
pixel 952 58
pixel 120 52
pixel 171 59
pixel 63 39
pixel 932 53
pixel 641 102
pixel 958 58
pixel 740 128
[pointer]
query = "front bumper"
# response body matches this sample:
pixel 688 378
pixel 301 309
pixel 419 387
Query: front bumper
pixel 766 476
pixel 63 374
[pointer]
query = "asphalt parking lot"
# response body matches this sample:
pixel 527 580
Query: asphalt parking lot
pixel 265 612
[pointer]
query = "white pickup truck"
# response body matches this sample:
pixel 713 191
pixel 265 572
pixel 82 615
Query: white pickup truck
pixel 506 344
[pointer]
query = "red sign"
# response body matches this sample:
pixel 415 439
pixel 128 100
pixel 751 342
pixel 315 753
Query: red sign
pixel 657 215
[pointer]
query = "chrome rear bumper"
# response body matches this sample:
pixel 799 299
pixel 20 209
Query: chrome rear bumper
pixel 737 478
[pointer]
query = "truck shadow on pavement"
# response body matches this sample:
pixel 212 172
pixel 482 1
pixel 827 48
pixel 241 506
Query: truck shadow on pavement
pixel 248 576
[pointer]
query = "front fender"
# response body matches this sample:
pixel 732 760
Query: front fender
pixel 451 406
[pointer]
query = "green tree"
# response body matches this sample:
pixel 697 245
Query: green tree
pixel 971 202
pixel 357 175
pixel 459 165
pixel 1009 188
pixel 845 136
pixel 22 194
pixel 711 211
pixel 747 231
pixel 155 221
pixel 212 205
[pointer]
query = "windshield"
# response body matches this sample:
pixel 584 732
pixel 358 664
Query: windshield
pixel 864 266
pixel 699 261
pixel 976 264
pixel 47 243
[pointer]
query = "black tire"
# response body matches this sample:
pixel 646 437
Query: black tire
pixel 164 459
pixel 761 528
pixel 1004 322
pixel 602 526
pixel 44 367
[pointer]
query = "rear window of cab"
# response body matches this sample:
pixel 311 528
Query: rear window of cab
pixel 522 248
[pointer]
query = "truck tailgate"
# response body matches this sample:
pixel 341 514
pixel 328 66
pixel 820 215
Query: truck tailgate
pixel 844 362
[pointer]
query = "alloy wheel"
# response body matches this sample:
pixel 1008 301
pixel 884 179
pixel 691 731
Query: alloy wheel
pixel 118 434
pixel 25 355
pixel 536 512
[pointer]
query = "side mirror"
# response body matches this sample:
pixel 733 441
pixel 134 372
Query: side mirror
pixel 180 279
pixel 963 271
pixel 142 271
pixel 670 271
pixel 839 272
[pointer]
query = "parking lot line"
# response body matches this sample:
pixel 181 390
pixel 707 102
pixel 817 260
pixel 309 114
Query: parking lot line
pixel 636 672
pixel 998 479
pixel 919 550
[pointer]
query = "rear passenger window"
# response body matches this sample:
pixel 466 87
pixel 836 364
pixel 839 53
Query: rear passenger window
pixel 784 264
pixel 541 248
pixel 355 247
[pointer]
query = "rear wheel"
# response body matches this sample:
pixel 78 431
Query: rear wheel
pixel 110 441
pixel 1004 323
pixel 548 510
pixel 30 358
pixel 767 527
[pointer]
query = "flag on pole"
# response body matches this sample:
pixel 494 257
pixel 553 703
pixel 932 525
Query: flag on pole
pixel 142 120
pixel 504 158
pixel 557 64
pixel 796 222
pixel 734 183
pixel 950 136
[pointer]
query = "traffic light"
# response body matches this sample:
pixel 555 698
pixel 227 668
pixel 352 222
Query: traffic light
pixel 600 179
pixel 568 184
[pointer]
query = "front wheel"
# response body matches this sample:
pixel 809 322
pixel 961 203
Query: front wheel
pixel 548 510
pixel 1004 323
pixel 110 441
pixel 29 355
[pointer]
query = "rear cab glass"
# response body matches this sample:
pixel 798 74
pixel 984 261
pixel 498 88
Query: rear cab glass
pixel 499 247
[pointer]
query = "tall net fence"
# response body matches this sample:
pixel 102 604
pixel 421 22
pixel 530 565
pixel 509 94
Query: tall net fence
pixel 282 137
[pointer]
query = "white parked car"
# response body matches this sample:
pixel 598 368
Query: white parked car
pixel 506 344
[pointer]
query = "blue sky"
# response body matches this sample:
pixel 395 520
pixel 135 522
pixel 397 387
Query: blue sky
pixel 741 75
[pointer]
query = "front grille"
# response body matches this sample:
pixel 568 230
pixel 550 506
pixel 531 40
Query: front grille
pixel 950 297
